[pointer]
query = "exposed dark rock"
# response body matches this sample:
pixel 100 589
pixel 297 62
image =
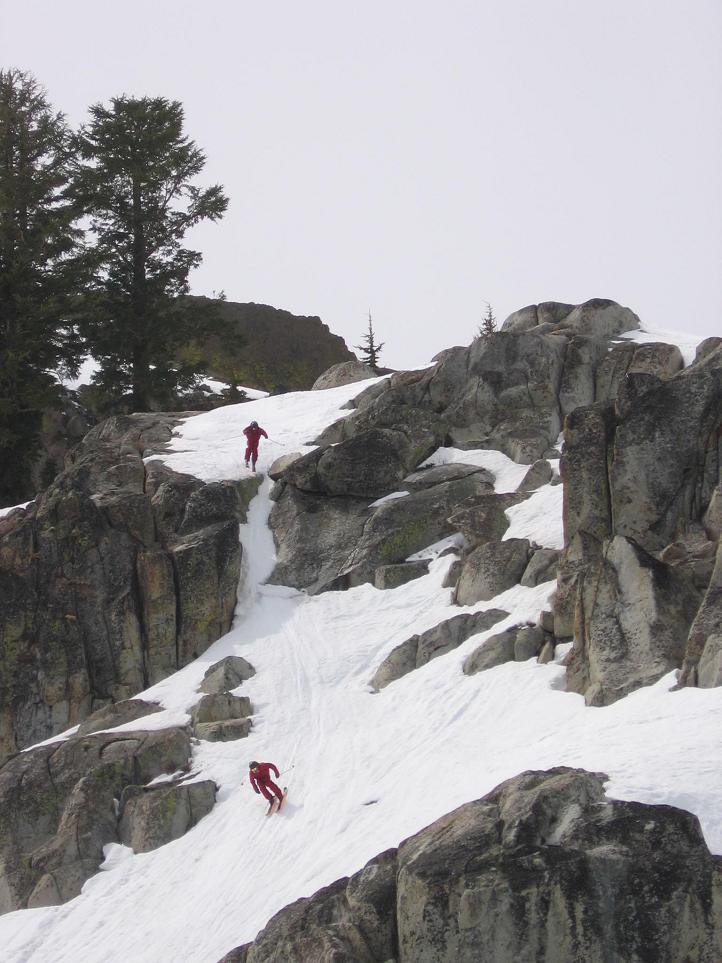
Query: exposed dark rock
pixel 227 674
pixel 152 817
pixel 702 665
pixel 332 542
pixel 640 486
pixel 442 638
pixel 435 474
pixel 220 707
pixel 351 921
pixel 281 463
pixel 544 869
pixel 117 714
pixel 226 731
pixel 491 569
pixel 392 576
pixel 632 623
pixel 119 574
pixel 483 518
pixel 542 567
pixel 539 474
pixel 496 650
pixel 57 808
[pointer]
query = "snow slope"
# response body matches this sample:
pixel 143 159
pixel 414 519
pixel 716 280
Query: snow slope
pixel 364 770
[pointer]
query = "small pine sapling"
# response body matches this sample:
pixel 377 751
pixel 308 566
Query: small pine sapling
pixel 370 350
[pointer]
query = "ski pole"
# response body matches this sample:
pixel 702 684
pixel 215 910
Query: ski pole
pixel 284 771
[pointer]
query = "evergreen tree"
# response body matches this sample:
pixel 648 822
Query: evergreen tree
pixel 136 185
pixel 488 324
pixel 370 351
pixel 39 271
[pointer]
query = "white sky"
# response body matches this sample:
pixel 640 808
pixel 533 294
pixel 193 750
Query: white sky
pixel 418 157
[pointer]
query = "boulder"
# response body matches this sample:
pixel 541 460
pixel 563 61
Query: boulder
pixel 219 707
pixel 655 358
pixel 634 614
pixel 227 674
pixel 227 731
pixel 524 873
pixel 528 642
pixel 706 347
pixel 491 569
pixel 279 466
pixel 483 518
pixel 57 808
pixel 151 817
pixel 496 650
pixel 117 715
pixel 344 373
pixel 392 576
pixel 542 567
pixel 313 535
pixel 420 649
pixel 539 474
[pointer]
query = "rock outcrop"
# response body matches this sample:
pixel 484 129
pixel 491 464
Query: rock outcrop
pixel 508 392
pixel 544 869
pixel 58 808
pixel 420 649
pixel 344 373
pixel 119 574
pixel 152 817
pixel 638 589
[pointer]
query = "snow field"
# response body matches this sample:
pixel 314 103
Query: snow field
pixel 365 770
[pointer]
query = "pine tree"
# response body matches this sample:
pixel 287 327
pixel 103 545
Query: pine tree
pixel 488 324
pixel 136 185
pixel 370 351
pixel 39 271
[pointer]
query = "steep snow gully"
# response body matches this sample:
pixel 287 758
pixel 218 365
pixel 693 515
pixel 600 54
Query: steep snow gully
pixel 364 770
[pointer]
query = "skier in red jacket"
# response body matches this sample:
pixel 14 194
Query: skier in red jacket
pixel 253 435
pixel 262 782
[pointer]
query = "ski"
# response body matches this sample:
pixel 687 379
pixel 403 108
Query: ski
pixel 275 806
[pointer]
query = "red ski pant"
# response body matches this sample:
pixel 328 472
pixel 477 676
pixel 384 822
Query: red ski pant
pixel 269 789
pixel 252 453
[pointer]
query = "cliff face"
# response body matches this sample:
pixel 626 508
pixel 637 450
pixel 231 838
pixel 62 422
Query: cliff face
pixel 120 573
pixel 278 350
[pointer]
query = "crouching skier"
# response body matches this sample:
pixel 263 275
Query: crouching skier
pixel 260 773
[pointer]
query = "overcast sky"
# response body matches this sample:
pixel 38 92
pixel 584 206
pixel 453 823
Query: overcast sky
pixel 418 158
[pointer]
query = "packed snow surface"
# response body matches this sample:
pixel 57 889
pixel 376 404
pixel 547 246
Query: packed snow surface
pixel 364 770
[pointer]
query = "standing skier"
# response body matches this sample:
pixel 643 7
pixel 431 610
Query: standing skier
pixel 262 782
pixel 253 435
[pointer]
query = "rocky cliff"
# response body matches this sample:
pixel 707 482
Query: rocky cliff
pixel 121 572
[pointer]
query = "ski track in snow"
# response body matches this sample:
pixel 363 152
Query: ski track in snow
pixel 368 770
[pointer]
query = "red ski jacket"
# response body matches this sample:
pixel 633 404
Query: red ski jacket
pixel 254 435
pixel 261 775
